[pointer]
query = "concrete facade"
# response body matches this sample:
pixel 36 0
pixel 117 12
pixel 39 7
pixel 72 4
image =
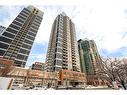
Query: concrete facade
pixel 63 49
pixel 16 41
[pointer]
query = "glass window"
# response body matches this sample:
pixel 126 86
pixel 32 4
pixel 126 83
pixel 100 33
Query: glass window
pixel 29 37
pixel 34 27
pixel 33 30
pixel 2 52
pixel 18 19
pixel 59 44
pixel 21 17
pixel 18 63
pixel 39 17
pixel 11 30
pixel 26 58
pixel 58 55
pixel 32 34
pixel 21 57
pixel 26 46
pixel 4 46
pixel 29 42
pixel 58 62
pixel 5 39
pixel 8 35
pixel 23 14
pixel 37 25
pixel 17 23
pixel 24 51
pixel 14 26
pixel 27 12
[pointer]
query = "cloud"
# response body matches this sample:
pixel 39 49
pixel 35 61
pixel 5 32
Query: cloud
pixel 35 58
pixel 8 14
pixel 50 13
pixel 105 22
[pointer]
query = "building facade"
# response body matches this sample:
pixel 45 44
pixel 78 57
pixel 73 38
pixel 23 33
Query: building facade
pixel 39 66
pixel 90 60
pixel 71 78
pixel 17 40
pixel 63 49
pixel 30 77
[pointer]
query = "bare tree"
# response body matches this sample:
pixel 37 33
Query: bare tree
pixel 114 70
pixel 121 70
pixel 107 70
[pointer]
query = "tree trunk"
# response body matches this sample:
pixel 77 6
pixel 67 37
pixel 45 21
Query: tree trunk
pixel 123 84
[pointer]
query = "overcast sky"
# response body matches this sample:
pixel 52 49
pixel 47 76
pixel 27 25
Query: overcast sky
pixel 103 21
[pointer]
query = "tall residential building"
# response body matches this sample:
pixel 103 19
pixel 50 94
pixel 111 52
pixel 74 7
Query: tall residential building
pixel 63 49
pixel 17 40
pixel 89 56
pixel 90 60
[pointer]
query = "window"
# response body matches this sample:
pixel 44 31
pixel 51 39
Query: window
pixel 18 63
pixel 17 23
pixel 34 27
pixel 19 56
pixel 59 35
pixel 29 42
pixel 39 17
pixel 37 21
pixel 26 12
pixel 58 62
pixel 26 46
pixel 8 35
pixel 37 25
pixel 11 30
pixel 2 52
pixel 23 14
pixel 5 39
pixel 18 19
pixel 14 26
pixel 58 55
pixel 25 58
pixel 32 34
pixel 59 44
pixel 31 38
pixel 59 50
pixel 21 17
pixel 33 30
pixel 59 40
pixel 24 51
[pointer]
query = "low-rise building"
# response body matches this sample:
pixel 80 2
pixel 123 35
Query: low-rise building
pixel 71 78
pixel 32 77
pixel 39 66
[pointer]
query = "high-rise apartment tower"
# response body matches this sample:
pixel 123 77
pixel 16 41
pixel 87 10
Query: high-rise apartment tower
pixel 89 57
pixel 90 61
pixel 63 49
pixel 17 40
